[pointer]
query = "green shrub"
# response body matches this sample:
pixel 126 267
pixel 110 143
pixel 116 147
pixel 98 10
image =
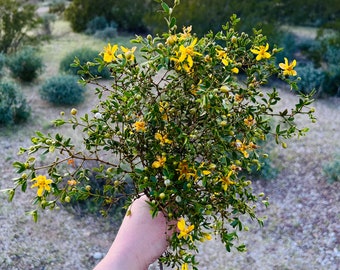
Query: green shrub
pixel 62 90
pixel 97 23
pixel 25 64
pixel 84 55
pixel 311 78
pixel 100 28
pixel 331 83
pixel 288 42
pixel 106 34
pixel 16 24
pixel 80 12
pixel 13 106
pixel 332 169
pixel 2 63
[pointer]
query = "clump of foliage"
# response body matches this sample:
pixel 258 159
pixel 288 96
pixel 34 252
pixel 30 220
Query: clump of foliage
pixel 331 85
pixel 83 55
pixel 332 169
pixel 2 63
pixel 16 24
pixel 97 23
pixel 106 34
pixel 100 28
pixel 13 105
pixel 62 90
pixel 183 123
pixel 80 12
pixel 127 14
pixel 311 78
pixel 331 46
pixel 25 64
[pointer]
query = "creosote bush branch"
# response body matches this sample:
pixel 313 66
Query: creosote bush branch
pixel 181 121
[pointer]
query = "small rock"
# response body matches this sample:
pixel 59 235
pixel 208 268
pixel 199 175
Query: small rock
pixel 97 255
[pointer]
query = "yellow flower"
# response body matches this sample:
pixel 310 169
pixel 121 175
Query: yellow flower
pixel 235 70
pixel 171 40
pixel 185 266
pixel 226 182
pixel 72 182
pixel 206 172
pixel 128 53
pixel 242 148
pixel 42 184
pixel 163 105
pixel 235 168
pixel 186 54
pixel 222 55
pixel 162 138
pixel 238 98
pixel 140 126
pixel 206 237
pixel 185 171
pixel 249 121
pixel 109 53
pixel 261 52
pixel 288 68
pixel 184 230
pixel 252 145
pixel 186 33
pixel 159 162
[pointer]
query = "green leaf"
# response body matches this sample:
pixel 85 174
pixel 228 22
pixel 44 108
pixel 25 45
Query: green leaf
pixel 24 186
pixel 165 7
pixel 51 149
pixel 20 166
pixel 34 215
pixel 172 22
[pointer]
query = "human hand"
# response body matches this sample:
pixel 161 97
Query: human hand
pixel 140 241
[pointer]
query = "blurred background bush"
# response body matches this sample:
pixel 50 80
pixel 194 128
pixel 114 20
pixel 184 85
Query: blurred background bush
pixel 62 89
pixel 25 64
pixel 13 105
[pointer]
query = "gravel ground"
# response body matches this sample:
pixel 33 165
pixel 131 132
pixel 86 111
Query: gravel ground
pixel 302 230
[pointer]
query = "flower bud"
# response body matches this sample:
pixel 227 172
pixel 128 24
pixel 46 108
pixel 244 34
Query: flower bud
pixel 74 111
pixel 223 123
pixel 167 182
pixel 224 89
